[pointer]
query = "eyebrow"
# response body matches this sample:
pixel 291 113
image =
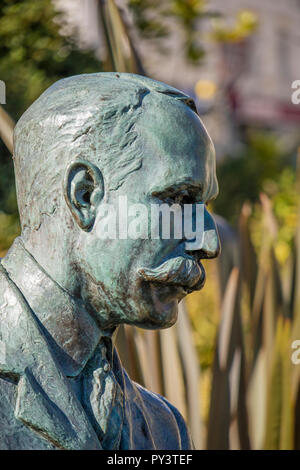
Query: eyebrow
pixel 192 189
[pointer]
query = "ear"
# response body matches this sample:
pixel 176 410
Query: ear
pixel 83 191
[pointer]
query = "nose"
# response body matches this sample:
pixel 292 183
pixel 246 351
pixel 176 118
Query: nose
pixel 209 246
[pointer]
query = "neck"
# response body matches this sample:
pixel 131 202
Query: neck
pixel 70 330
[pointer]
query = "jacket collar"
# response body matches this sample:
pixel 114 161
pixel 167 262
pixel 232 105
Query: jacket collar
pixel 72 333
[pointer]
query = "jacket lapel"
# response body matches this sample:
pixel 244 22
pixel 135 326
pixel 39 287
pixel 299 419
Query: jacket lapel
pixel 45 401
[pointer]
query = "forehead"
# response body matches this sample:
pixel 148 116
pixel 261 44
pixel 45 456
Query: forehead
pixel 176 145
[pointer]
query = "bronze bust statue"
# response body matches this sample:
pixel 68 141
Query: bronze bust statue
pixel 87 143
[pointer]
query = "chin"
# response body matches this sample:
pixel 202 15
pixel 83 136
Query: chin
pixel 155 320
pixel 159 306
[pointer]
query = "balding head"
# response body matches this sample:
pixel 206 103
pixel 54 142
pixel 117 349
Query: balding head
pixel 87 116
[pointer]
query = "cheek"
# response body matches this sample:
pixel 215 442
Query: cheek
pixel 113 261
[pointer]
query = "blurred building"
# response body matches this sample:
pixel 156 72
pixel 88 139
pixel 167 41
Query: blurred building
pixel 245 83
pixel 256 74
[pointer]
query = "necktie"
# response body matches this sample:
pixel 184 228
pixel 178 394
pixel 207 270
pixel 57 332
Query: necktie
pixel 103 398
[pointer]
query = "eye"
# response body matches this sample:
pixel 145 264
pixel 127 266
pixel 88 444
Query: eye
pixel 180 199
pixel 188 199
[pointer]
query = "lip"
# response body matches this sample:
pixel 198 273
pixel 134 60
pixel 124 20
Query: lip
pixel 168 292
pixel 200 284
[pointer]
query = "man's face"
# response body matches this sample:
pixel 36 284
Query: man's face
pixel 141 280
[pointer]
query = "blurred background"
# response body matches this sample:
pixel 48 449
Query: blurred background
pixel 227 364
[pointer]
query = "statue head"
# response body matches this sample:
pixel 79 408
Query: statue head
pixel 102 148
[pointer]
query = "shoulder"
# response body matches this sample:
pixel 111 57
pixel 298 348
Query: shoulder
pixel 186 438
pixel 168 416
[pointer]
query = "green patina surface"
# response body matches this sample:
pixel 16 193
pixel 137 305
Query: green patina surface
pixel 87 141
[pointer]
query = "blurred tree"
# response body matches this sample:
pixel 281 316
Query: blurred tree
pixel 33 53
pixel 245 23
pixel 152 21
pixel 261 165
pixel 244 175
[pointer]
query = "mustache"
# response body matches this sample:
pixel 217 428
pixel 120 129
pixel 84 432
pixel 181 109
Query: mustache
pixel 179 271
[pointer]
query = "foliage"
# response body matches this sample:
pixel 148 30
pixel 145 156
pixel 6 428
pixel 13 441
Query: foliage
pixel 285 201
pixel 261 165
pixel 154 21
pixel 33 53
pixel 245 23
